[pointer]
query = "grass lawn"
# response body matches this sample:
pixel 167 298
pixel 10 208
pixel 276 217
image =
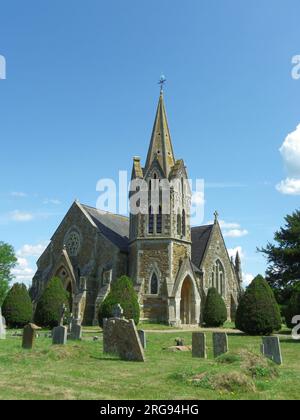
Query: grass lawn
pixel 81 371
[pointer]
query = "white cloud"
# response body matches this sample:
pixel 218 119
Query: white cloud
pixel 19 216
pixel 52 201
pixel 231 229
pixel 232 252
pixel 290 152
pixel 235 233
pixel 23 273
pixel 198 198
pixel 32 250
pixel 247 279
pixel 18 194
pixel 290 186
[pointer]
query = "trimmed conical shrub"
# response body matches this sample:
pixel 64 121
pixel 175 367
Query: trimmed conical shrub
pixel 17 307
pixel 215 312
pixel 48 309
pixel 123 293
pixel 293 308
pixel 258 312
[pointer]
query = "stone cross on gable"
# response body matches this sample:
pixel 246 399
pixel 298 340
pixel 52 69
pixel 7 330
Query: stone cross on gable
pixel 216 214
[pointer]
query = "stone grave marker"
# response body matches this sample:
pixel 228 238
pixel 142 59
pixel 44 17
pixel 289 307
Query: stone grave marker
pixel 143 338
pixel 220 344
pixel 76 330
pixel 2 326
pixel 120 337
pixel 29 334
pixel 271 349
pixel 199 345
pixel 59 335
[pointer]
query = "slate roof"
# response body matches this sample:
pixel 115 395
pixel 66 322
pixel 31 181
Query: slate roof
pixel 200 239
pixel 116 228
pixel 113 226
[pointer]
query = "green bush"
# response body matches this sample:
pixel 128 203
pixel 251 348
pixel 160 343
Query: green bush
pixel 215 312
pixel 49 306
pixel 123 293
pixel 17 307
pixel 293 308
pixel 258 312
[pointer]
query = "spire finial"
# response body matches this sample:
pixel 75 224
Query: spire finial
pixel 161 82
pixel 216 214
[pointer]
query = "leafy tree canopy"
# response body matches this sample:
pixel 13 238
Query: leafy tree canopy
pixel 8 261
pixel 283 256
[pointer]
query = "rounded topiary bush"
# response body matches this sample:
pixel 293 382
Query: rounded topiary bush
pixel 258 312
pixel 293 308
pixel 215 312
pixel 49 306
pixel 17 307
pixel 123 293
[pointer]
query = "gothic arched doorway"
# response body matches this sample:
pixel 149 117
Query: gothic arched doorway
pixel 187 303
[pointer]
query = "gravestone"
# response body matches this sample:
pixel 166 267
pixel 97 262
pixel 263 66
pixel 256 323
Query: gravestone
pixel 120 337
pixel 29 334
pixel 220 344
pixel 143 338
pixel 76 330
pixel 199 345
pixel 62 315
pixel 2 326
pixel 271 349
pixel 70 322
pixel 59 335
pixel 117 311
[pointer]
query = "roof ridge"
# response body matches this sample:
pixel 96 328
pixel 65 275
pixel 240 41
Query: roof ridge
pixel 105 212
pixel 202 226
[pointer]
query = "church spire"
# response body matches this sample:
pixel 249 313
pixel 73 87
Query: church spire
pixel 161 144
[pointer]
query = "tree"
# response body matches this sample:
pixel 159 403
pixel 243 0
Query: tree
pixel 284 256
pixel 215 312
pixel 49 306
pixel 8 261
pixel 258 312
pixel 123 293
pixel 293 307
pixel 17 307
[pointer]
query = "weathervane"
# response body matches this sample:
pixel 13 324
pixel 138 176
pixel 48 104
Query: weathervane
pixel 161 82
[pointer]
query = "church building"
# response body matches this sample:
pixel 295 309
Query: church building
pixel 171 263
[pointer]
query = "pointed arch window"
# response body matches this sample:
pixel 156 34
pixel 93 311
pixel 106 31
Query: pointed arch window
pixel 179 224
pixel 218 278
pixel 154 284
pixel 159 221
pixel 151 221
pixel 183 223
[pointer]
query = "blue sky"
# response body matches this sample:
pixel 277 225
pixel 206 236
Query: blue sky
pixel 80 96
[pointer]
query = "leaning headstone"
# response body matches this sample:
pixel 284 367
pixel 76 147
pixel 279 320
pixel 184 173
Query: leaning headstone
pixel 199 345
pixel 76 330
pixel 143 338
pixel 220 344
pixel 59 336
pixel 2 326
pixel 120 337
pixel 29 335
pixel 271 349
